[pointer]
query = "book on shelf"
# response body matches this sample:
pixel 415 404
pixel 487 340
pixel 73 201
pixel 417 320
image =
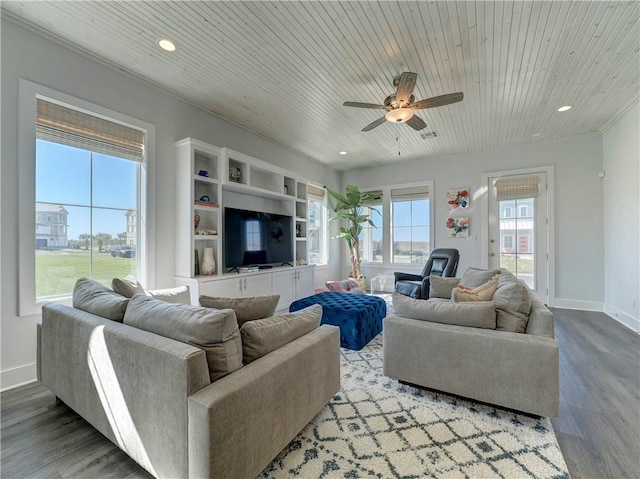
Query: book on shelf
pixel 204 203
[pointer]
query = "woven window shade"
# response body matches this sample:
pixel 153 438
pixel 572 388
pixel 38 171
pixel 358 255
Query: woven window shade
pixel 373 202
pixel 517 187
pixel 66 126
pixel 410 193
pixel 316 191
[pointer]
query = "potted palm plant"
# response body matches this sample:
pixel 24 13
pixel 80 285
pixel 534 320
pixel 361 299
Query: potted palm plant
pixel 353 209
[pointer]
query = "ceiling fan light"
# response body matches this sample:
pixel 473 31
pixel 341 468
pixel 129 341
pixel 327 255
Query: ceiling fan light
pixel 399 115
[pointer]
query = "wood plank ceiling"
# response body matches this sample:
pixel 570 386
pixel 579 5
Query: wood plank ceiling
pixel 283 69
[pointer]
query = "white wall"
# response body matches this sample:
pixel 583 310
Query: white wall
pixel 621 160
pixel 32 57
pixel 578 207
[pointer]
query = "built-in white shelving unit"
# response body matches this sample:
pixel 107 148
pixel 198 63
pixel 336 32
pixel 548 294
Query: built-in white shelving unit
pixel 235 180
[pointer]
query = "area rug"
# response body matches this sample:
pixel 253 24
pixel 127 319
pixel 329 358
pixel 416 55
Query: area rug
pixel 376 427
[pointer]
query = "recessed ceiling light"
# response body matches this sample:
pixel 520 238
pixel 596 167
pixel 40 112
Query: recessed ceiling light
pixel 565 108
pixel 342 153
pixel 167 45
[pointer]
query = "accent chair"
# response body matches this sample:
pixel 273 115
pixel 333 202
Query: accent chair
pixel 441 262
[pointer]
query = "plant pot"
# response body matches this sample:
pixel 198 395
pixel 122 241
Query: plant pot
pixel 362 282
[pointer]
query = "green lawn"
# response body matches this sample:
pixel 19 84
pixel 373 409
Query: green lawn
pixel 524 265
pixel 57 271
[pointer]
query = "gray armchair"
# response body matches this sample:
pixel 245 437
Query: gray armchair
pixel 441 262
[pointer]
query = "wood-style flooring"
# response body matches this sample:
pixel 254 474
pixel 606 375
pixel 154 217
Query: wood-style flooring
pixel 598 427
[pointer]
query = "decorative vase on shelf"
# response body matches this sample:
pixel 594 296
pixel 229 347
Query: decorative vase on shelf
pixel 208 265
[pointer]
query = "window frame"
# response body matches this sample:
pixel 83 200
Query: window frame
pixel 323 241
pixel 28 93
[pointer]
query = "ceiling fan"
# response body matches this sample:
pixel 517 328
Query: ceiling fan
pixel 400 105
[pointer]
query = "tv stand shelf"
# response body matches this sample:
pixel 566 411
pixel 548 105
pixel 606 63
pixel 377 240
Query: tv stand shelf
pixel 228 178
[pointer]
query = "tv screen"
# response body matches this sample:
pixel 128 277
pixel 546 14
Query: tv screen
pixel 256 238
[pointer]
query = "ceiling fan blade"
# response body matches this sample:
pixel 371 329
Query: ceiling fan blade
pixel 406 84
pixel 357 104
pixel 378 122
pixel 416 123
pixel 441 100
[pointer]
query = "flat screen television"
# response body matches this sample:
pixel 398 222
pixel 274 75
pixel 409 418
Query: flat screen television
pixel 256 238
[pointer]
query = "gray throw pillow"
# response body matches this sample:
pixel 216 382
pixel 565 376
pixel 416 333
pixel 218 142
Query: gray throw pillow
pixel 262 336
pixel 474 277
pixel 96 298
pixel 126 287
pixel 440 287
pixel 246 309
pixel 479 314
pixel 215 332
pixel 513 304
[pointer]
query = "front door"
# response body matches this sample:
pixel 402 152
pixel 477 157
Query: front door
pixel 518 228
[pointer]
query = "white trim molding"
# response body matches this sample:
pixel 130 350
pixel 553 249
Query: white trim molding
pixel 623 318
pixel 16 377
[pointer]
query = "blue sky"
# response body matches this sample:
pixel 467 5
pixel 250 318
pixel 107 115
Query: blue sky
pixel 63 176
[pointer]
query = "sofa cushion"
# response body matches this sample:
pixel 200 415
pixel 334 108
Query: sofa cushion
pixel 262 336
pixel 484 292
pixel 440 287
pixel 129 286
pixel 477 315
pixel 96 298
pixel 246 309
pixel 214 331
pixel 178 295
pixel 474 277
pixel 513 304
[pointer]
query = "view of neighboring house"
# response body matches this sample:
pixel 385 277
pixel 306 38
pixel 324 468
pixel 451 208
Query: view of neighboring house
pixel 131 227
pixel 51 226
pixel 516 226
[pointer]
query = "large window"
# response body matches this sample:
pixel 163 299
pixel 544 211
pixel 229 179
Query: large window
pixel 317 228
pixel 410 225
pixel 88 194
pixel 371 237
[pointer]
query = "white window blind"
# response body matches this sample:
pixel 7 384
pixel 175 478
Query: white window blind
pixel 410 193
pixel 59 124
pixel 517 187
pixel 316 191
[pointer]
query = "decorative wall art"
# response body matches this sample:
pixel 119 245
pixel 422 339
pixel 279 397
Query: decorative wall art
pixel 458 227
pixel 458 198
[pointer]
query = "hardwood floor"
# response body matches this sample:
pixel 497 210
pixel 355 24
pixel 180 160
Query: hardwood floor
pixel 598 427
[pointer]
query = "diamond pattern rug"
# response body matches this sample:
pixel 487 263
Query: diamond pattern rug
pixel 376 427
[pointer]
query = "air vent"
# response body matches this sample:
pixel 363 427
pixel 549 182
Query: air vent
pixel 429 134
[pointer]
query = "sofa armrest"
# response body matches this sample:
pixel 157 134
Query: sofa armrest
pixel 131 385
pixel 407 277
pixel 238 424
pixel 518 371
pixel 540 319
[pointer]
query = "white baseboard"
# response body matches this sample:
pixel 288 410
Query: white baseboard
pixel 578 304
pixel 623 318
pixel 13 378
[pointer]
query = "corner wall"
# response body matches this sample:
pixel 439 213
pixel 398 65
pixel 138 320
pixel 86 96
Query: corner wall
pixel 30 56
pixel 621 165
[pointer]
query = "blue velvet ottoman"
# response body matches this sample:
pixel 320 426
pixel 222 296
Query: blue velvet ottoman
pixel 358 316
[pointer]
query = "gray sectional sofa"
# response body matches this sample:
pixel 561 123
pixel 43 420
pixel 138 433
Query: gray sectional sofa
pixel 154 396
pixel 471 349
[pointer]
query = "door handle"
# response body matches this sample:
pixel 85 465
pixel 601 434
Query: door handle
pixel 492 254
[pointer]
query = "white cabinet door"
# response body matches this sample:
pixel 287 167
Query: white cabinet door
pixel 225 288
pixel 258 285
pixel 304 283
pixel 284 284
